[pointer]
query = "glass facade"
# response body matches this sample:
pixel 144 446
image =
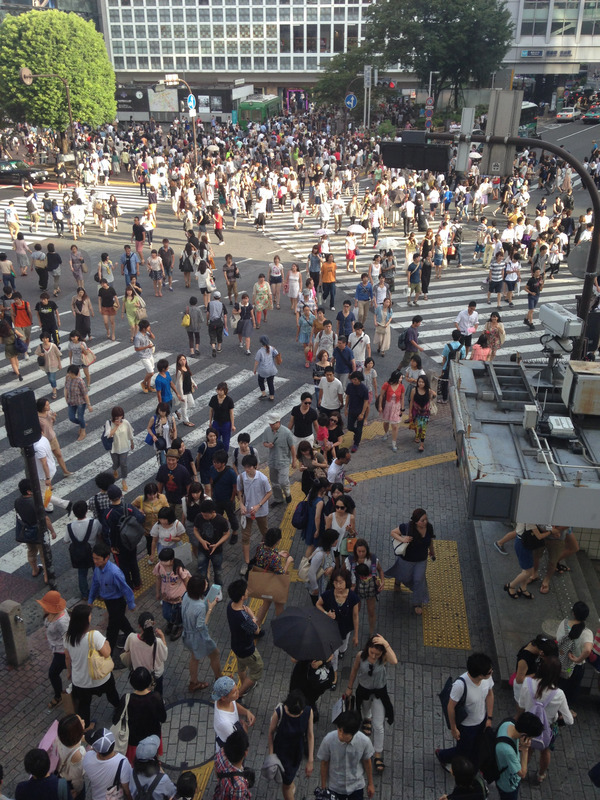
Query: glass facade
pixel 559 19
pixel 235 35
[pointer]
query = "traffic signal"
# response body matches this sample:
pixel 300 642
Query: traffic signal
pixel 386 83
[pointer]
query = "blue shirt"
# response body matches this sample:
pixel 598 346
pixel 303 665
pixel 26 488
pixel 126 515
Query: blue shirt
pixel 364 292
pixel 223 484
pixel 163 385
pixel 134 261
pixel 343 360
pixel 509 761
pixel 345 324
pixel 109 583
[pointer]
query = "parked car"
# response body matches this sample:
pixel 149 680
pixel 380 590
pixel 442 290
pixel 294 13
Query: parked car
pixel 568 114
pixel 15 171
pixel 591 116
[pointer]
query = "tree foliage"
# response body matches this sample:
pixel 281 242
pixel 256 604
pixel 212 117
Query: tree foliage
pixel 63 44
pixel 343 74
pixel 461 40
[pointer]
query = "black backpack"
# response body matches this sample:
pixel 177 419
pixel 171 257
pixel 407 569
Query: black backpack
pixel 130 530
pixel 459 710
pixel 146 792
pixel 402 338
pixel 488 741
pixel 81 551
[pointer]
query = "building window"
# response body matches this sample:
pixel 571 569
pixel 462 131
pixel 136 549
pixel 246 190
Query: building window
pixel 285 63
pixel 338 38
pixel 205 32
pixel 113 16
pixel 271 31
pixel 535 17
pixel 178 15
pixel 151 15
pixel 139 15
pixel 339 14
pixel 231 15
pixel 219 62
pixel 232 47
pixel 232 31
pixel 258 31
pixel 258 47
pixel 131 62
pixel 311 62
pixel 244 15
pixel 117 47
pixel 166 46
pixel 203 15
pixel 352 34
pixel 219 46
pixel 284 39
pixel 218 32
pixel 232 62
pixel 311 39
pixel 298 38
pixel 298 14
pixel 257 15
pixel 115 32
pixel 126 15
pixel 217 14
pixel 299 63
pixel 244 31
pixel 130 47
pixel 564 18
pixel 259 63
pixel 246 63
pixel 142 46
pixel 590 25
pixel 128 32
pixel 312 14
pixel 353 13
pixel 192 45
pixel 194 62
pixel 325 39
pixel 272 47
pixel 271 15
pixel 154 46
pixel 325 15
pixel 207 63
pixel 143 62
pixel 206 47
pixel 272 64
pixel 179 32
pixel 165 32
pixel 153 31
pixel 191 14
pixel 181 63
pixel 156 62
pixel 180 46
pixel 164 15
pixel 284 14
pixel 119 62
pixel 168 63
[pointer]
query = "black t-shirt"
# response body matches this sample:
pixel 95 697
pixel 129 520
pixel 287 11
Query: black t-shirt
pixel 221 410
pixel 167 254
pixel 243 631
pixel 175 482
pixel 211 529
pixel 26 510
pixel 186 459
pixel 146 713
pixel 139 234
pixel 534 285
pixel 107 296
pixel 46 789
pixel 53 261
pixel 47 314
pixel 303 423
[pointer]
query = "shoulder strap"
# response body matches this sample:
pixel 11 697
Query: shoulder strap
pixel 117 779
pixel 63 789
pixel 506 740
pixel 70 532
pixel 88 533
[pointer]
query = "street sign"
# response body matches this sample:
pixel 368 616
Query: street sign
pixel 368 75
pixel 192 112
pixel 428 123
pixel 430 102
pixel 191 101
pixel 495 166
pixel 351 101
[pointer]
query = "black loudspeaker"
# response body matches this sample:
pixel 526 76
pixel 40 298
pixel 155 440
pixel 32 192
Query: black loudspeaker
pixel 22 421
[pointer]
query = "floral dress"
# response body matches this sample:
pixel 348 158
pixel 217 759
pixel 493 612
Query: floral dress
pixel 421 410
pixel 261 297
pixel 495 334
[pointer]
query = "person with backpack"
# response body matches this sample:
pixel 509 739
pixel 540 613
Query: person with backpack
pixel 41 782
pixel 453 351
pixel 234 781
pixel 121 546
pixel 110 585
pixel 575 642
pixel 541 696
pixel 148 781
pixel 469 709
pixel 511 754
pixel 81 536
pixel 107 770
pixel 411 341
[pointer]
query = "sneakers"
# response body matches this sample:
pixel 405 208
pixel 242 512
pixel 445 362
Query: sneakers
pixel 385 437
pixel 354 448
pixel 233 539
pixel 176 634
pixel 500 548
pixel 394 447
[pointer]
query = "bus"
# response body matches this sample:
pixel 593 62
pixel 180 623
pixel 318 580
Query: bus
pixel 528 120
pixel 258 108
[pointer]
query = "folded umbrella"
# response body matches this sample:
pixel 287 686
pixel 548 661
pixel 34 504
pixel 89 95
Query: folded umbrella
pixel 306 634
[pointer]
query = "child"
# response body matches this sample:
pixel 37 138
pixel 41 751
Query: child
pixel 171 582
pixel 370 376
pixel 323 433
pixel 165 531
pixel 164 385
pixel 243 449
pixel 481 350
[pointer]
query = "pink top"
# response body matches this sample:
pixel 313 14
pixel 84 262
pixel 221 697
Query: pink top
pixel 172 586
pixel 322 434
pixel 21 247
pixel 480 353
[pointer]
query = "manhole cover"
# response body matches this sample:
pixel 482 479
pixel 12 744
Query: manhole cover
pixel 187 733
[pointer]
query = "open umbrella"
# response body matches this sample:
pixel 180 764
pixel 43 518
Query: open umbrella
pixel 356 228
pixel 388 243
pixel 306 634
pixel 214 148
pixel 474 155
pixel 324 232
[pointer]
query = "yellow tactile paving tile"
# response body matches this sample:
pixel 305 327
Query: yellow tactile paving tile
pixel 445 621
pixel 405 466
pixel 202 774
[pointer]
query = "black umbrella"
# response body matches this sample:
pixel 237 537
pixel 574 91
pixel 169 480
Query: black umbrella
pixel 306 634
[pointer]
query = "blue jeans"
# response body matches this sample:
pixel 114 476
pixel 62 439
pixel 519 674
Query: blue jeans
pixel 224 429
pixel 171 612
pixel 217 561
pixel 77 415
pixel 466 746
pixel 51 379
pixel 329 291
pixel 82 579
pixel 9 280
pixel 512 795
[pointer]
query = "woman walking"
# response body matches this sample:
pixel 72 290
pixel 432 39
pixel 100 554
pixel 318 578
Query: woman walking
pixel 496 334
pixel 56 623
pixel 290 732
pixel 246 323
pixel 47 418
pixel 196 612
pixel 262 299
pixel 575 641
pixel 420 409
pixel 391 405
pixel 221 414
pixel 343 522
pixel 78 639
pixel 80 355
pixel 265 366
pixel 77 399
pixel 341 604
pixel 383 322
pixel 48 356
pixel 8 337
pixel 322 563
pixel 150 503
pixel 132 308
pixel 77 263
pixel 411 565
pixel 145 710
pixel 275 280
pixel 82 310
pixel 185 388
pixel 156 271
pixel 292 286
pixel 120 431
pixel 367 577
pixel 304 331
pixel 373 702
pixel 108 305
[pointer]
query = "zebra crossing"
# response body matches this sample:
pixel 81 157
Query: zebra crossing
pixel 117 367
pixel 447 296
pixel 130 203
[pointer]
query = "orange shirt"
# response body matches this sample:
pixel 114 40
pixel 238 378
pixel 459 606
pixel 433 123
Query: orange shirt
pixel 328 269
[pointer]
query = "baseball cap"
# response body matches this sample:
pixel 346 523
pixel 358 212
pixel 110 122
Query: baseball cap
pixel 102 741
pixel 217 295
pixel 147 748
pixel 221 687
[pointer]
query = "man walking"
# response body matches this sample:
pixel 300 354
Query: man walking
pixel 244 630
pixel 345 756
pixel 413 279
pixel 343 358
pixel 279 441
pixel 363 297
pixel 411 341
pixel 357 405
pixel 467 322
pixel 109 584
pixel 126 559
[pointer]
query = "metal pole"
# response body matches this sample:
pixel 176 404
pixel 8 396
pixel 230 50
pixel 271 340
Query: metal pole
pixel 365 108
pixel 588 280
pixel 40 512
pixel 187 86
pixel 430 81
pixel 64 80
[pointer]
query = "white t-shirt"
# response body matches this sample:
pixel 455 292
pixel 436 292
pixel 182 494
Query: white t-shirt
pixel 359 350
pixel 42 449
pixel 102 774
pixel 224 723
pixel 475 700
pixel 336 472
pixel 586 638
pixel 79 660
pixel 466 321
pixel 331 391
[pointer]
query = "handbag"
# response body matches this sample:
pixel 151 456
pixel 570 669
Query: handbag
pixel 84 267
pixel 20 345
pixel 266 585
pixel 41 360
pixel 278 359
pixel 120 729
pixel 26 534
pixel 98 666
pixel 186 321
pixel 140 312
pixel 106 440
pixel 304 567
pixel 87 357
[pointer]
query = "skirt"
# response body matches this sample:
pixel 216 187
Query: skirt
pixel 199 646
pixel 108 311
pixel 156 274
pixel 413 575
pixel 392 412
pixel 244 328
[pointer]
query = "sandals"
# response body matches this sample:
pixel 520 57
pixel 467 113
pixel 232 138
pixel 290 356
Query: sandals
pixel 507 589
pixel 54 702
pixel 367 727
pixel 562 568
pixel 379 765
pixel 194 687
pixel 526 595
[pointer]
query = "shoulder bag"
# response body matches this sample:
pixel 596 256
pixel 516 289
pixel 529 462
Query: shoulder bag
pixel 26 534
pixel 87 357
pixel 99 666
pixel 120 729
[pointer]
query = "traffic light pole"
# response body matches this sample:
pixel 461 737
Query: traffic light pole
pixel 586 180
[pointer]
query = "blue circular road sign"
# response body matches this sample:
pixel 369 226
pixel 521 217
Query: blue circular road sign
pixel 191 101
pixel 351 101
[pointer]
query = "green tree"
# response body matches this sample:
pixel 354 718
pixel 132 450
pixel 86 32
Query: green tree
pixel 458 40
pixel 63 44
pixel 340 76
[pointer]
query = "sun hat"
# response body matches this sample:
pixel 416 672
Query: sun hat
pixel 52 602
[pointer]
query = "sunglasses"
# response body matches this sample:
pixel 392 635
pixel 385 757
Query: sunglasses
pixel 371 668
pixel 307 403
pixel 342 508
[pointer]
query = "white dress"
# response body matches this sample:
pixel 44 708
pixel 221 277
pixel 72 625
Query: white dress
pixel 294 284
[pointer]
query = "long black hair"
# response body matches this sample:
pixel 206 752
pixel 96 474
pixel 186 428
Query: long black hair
pixel 79 623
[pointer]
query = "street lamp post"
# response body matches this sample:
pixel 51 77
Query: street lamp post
pixel 27 76
pixel 174 80
pixel 431 74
